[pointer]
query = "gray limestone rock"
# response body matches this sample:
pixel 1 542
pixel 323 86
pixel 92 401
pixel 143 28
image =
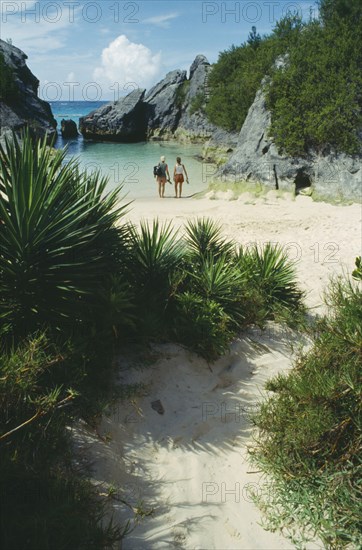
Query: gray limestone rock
pixel 164 104
pixel 122 120
pixel 23 108
pixel 256 159
pixel 194 125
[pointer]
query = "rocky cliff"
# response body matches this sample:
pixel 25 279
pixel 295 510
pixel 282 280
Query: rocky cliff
pixel 167 111
pixel 20 105
pixel 256 159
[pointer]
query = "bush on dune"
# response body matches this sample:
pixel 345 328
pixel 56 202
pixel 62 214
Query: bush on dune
pixel 48 504
pixel 58 248
pixel 200 290
pixel 227 289
pixel 310 430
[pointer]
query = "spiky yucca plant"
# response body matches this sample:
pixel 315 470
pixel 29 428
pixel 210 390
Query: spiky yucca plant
pixel 204 237
pixel 58 237
pixel 154 256
pixel 271 272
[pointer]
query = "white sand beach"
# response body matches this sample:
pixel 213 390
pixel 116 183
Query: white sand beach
pixel 187 469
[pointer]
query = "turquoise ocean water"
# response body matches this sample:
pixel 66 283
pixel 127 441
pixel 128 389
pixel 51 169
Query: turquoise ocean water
pixel 132 164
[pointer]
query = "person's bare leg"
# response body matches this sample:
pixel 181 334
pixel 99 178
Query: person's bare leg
pixel 163 190
pixel 180 190
pixel 176 189
pixel 159 188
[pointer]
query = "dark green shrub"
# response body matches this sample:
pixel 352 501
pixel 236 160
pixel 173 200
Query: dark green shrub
pixel 310 430
pixel 198 103
pixel 269 272
pixel 181 93
pixel 357 272
pixel 202 325
pixel 204 238
pixel 154 256
pixel 49 505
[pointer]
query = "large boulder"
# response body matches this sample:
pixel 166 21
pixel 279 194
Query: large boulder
pixel 68 129
pixel 122 120
pixel 164 105
pixel 257 159
pixel 20 105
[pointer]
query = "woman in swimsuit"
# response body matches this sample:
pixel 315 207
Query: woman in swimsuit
pixel 178 177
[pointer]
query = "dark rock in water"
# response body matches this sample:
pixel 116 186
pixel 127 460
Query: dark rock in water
pixel 20 105
pixel 256 159
pixel 122 120
pixel 68 129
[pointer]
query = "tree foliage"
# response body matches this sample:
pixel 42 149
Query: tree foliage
pixel 313 80
pixel 315 98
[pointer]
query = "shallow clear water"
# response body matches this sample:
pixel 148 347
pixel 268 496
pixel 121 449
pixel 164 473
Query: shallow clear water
pixel 131 163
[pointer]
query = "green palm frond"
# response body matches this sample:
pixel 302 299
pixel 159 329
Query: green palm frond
pixel 55 220
pixel 204 236
pixel 272 273
pixel 219 280
pixel 155 254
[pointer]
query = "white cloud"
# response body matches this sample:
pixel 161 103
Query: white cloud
pixel 161 20
pixel 126 62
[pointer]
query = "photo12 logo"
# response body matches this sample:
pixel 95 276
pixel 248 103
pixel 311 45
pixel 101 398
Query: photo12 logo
pixel 228 411
pixel 250 12
pixel 53 12
pixel 90 91
pixel 220 493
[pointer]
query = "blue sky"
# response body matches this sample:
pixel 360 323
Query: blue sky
pixel 100 50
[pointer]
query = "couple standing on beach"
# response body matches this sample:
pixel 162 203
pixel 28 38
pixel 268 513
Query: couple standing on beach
pixel 178 177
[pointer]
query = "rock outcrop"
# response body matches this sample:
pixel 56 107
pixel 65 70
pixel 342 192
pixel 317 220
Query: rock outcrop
pixel 165 112
pixel 123 120
pixel 164 105
pixel 68 129
pixel 256 159
pixel 20 105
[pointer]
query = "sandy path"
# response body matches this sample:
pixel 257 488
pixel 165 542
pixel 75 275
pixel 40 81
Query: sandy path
pixel 189 465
